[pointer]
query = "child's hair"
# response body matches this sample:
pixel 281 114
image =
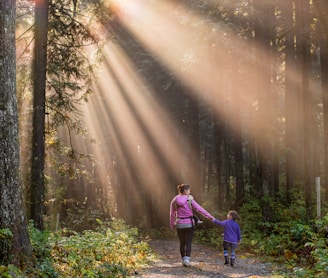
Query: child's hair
pixel 234 214
pixel 182 187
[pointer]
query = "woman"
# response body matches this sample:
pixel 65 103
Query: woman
pixel 181 218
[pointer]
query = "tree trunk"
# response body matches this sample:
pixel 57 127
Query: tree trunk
pixel 16 248
pixel 264 94
pixel 194 165
pixel 38 143
pixel 236 120
pixel 322 10
pixel 302 16
pixel 218 135
pixel 238 153
pixel 291 99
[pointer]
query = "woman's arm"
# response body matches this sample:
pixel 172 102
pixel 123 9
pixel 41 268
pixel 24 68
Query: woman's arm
pixel 201 210
pixel 172 213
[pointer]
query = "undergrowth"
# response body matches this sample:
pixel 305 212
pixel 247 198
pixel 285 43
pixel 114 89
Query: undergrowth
pixel 284 233
pixel 112 250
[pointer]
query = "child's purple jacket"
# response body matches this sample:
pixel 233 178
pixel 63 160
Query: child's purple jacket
pixel 231 230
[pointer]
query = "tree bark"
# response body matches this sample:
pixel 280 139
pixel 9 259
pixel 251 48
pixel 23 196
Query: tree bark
pixel 38 142
pixel 264 95
pixel 302 15
pixel 291 98
pixel 322 11
pixel 16 248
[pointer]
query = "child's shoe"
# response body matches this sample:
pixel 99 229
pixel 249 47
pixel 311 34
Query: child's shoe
pixel 232 262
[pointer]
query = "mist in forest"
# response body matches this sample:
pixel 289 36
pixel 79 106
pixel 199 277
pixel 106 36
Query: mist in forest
pixel 136 115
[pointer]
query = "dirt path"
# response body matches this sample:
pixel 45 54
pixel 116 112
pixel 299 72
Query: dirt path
pixel 205 262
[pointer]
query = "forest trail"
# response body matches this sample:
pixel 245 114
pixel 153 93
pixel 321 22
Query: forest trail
pixel 205 262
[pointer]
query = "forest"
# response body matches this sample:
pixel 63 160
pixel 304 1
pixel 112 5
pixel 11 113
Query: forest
pixel 107 105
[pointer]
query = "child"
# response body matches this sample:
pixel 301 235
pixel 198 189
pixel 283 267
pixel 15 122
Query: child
pixel 231 236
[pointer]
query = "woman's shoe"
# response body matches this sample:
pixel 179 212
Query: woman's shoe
pixel 186 261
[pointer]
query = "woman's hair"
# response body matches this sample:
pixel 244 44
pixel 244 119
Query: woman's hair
pixel 182 187
pixel 234 214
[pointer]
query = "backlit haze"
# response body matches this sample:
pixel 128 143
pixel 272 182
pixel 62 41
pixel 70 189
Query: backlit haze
pixel 134 132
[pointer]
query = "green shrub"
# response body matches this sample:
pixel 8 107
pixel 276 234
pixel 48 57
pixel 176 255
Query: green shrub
pixel 318 244
pixel 42 254
pixel 6 236
pixel 209 236
pixel 111 251
pixel 271 228
pixel 10 271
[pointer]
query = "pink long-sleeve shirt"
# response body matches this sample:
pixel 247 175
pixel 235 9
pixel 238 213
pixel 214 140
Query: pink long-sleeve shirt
pixel 180 211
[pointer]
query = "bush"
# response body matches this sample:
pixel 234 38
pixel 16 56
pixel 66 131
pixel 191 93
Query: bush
pixel 111 251
pixel 318 245
pixel 284 232
pixel 41 252
pixel 209 236
pixel 10 271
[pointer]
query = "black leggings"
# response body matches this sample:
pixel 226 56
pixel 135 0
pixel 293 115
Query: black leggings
pixel 185 237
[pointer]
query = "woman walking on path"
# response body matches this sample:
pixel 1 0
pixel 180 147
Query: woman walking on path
pixel 181 218
pixel 231 236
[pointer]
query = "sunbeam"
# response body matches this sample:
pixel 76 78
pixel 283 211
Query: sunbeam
pixel 128 117
pixel 210 70
pixel 143 137
pixel 135 129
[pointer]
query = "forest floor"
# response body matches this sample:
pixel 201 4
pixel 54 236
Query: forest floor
pixel 205 262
